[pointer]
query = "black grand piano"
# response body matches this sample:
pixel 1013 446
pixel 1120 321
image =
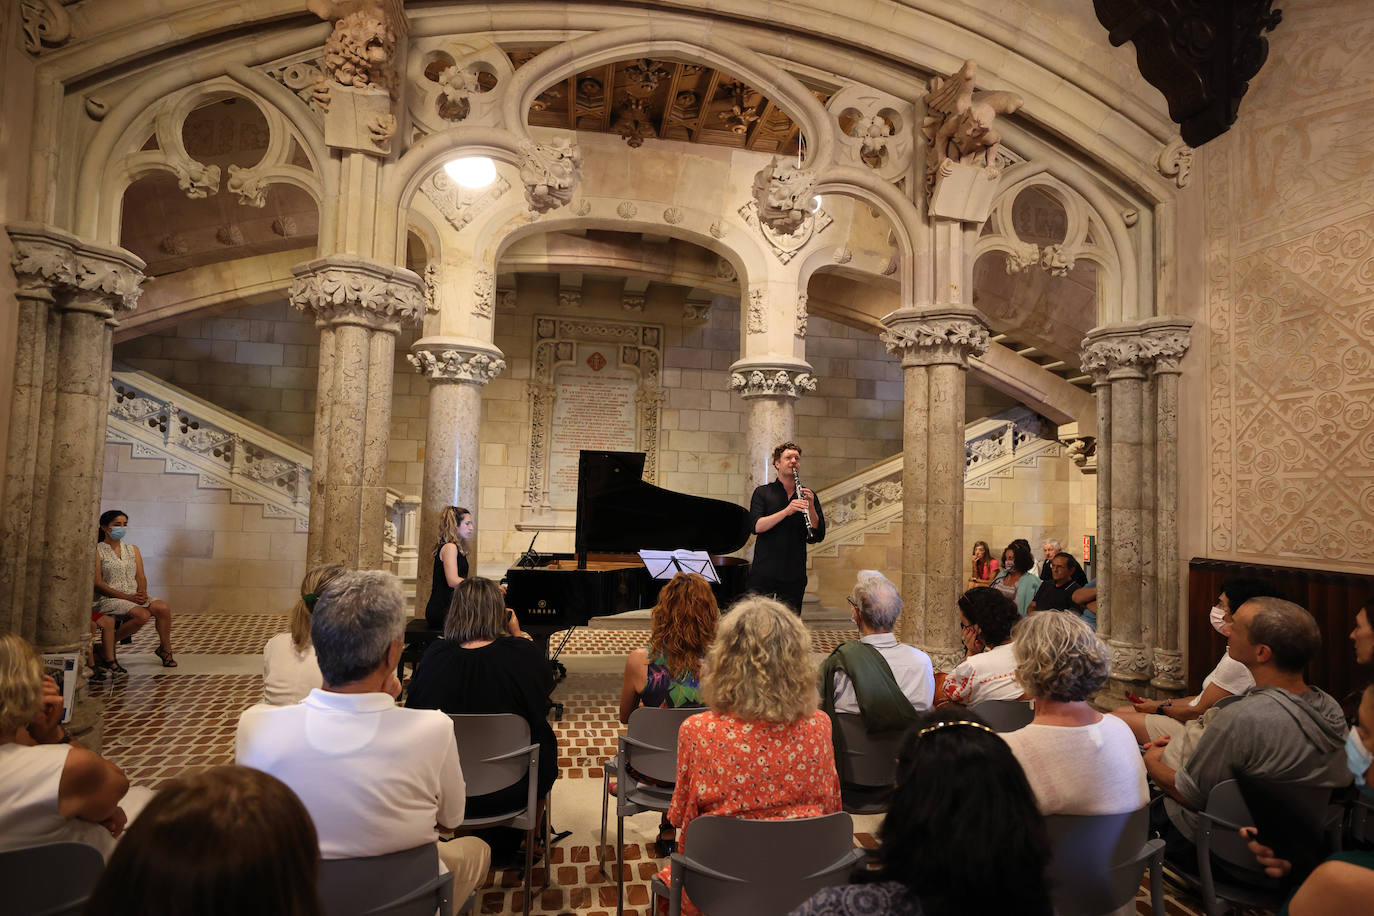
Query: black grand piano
pixel 617 515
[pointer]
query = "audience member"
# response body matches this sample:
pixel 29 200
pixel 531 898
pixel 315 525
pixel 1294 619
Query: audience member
pixel 883 680
pixel 986 617
pixel 1282 730
pixel 984 566
pixel 1049 548
pixel 763 749
pixel 1359 743
pixel 1086 598
pixel 962 836
pixel 456 527
pixel 289 668
pixel 121 588
pixel 1015 579
pixel 219 842
pixel 52 790
pixel 103 658
pixel 483 665
pixel 375 778
pixel 1343 884
pixel 1151 719
pixel 1056 593
pixel 1078 761
pixel 1363 634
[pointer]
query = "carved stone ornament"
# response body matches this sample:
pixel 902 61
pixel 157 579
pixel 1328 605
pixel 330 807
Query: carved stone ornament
pixel 248 185
pixel 874 130
pixel 461 205
pixel 627 209
pixel 569 298
pixel 673 215
pixel 696 312
pixel 632 302
pixel 174 244
pixel 45 24
pixel 460 84
pixel 718 229
pixel 1082 452
pixel 800 329
pixel 582 207
pixel 1022 256
pixel 196 179
pixel 307 79
pixel 431 276
pixel 48 259
pixel 945 660
pixel 1130 661
pixel 1136 347
pixel 725 270
pixel 361 51
pixel 771 382
pixel 342 289
pixel 934 337
pixel 758 311
pixel 784 244
pixel 550 173
pixel 286 227
pixel 448 364
pixel 958 122
pixel 1057 260
pixel 1168 669
pixel 1176 161
pixel 843 255
pixel 483 293
pixel 783 195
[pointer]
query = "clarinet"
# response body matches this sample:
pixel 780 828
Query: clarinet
pixel 806 516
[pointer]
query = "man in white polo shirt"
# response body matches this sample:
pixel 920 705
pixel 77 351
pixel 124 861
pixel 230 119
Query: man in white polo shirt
pixel 376 778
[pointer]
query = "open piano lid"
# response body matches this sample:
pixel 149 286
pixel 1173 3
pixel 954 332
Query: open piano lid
pixel 617 512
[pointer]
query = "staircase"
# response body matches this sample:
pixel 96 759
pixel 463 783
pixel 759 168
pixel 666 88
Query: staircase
pixel 863 513
pixel 223 451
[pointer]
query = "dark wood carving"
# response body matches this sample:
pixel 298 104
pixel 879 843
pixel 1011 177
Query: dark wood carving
pixel 1200 53
pixel 1331 597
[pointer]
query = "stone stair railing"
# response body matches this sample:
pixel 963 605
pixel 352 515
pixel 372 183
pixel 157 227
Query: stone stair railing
pixel 258 467
pixel 871 500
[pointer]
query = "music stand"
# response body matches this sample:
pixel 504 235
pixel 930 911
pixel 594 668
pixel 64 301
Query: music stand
pixel 664 564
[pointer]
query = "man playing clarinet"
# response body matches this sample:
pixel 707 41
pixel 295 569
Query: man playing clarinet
pixel 785 517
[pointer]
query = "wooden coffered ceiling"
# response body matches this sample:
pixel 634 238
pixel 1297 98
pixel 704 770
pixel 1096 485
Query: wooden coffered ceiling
pixel 669 100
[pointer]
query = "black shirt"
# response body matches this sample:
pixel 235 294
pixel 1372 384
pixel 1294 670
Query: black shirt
pixel 441 593
pixel 1051 597
pixel 780 552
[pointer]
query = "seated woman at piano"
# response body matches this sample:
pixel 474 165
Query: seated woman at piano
pixel 456 527
pixel 485 664
pixel 763 749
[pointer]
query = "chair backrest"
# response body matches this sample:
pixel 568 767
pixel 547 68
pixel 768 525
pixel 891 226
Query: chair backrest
pixel 1306 809
pixel 405 883
pixel 651 743
pixel 493 750
pixel 1097 860
pixel 866 760
pixel 78 865
pixel 787 862
pixel 1005 715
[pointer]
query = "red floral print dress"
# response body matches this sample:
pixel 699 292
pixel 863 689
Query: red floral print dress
pixel 763 770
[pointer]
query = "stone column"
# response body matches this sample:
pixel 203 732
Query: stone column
pixel 457 369
pixel 770 389
pixel 70 291
pixel 935 346
pixel 1168 656
pixel 359 306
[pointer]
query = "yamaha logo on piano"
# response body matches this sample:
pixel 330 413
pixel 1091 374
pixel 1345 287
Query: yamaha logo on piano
pixel 541 608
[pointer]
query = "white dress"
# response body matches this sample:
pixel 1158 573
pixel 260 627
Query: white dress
pixel 119 573
pixel 287 675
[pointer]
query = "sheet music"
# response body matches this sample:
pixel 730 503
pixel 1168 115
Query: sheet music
pixel 664 564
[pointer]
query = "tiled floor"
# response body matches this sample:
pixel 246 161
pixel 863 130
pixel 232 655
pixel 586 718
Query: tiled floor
pixel 160 723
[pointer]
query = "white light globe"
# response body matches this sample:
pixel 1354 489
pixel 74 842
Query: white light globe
pixel 815 204
pixel 471 171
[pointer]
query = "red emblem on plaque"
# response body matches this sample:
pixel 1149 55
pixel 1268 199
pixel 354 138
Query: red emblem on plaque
pixel 597 362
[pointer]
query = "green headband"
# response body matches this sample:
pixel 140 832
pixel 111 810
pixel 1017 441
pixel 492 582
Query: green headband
pixel 309 599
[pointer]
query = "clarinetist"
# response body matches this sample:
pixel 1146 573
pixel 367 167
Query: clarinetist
pixel 786 517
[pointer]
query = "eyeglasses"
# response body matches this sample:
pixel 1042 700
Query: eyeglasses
pixel 967 626
pixel 852 602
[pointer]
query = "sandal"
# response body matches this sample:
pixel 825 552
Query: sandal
pixel 666 844
pixel 167 660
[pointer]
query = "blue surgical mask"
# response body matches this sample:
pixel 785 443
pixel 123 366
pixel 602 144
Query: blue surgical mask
pixel 1218 617
pixel 1357 756
pixel 118 531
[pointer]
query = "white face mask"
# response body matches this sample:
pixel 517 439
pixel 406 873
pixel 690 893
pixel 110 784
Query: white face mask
pixel 1218 617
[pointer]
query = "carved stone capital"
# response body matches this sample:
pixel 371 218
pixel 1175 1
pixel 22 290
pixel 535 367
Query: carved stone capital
pixel 550 173
pixel 50 263
pixel 1168 670
pixel 927 337
pixel 1133 349
pixel 1130 661
pixel 442 359
pixel 1176 161
pixel 945 660
pixel 45 24
pixel 758 380
pixel 341 289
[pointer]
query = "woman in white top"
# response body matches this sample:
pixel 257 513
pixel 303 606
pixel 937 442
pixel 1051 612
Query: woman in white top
pixel 986 617
pixel 289 668
pixel 1077 760
pixel 51 789
pixel 121 588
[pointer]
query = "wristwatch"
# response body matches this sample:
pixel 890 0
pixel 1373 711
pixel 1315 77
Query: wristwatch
pixel 1164 705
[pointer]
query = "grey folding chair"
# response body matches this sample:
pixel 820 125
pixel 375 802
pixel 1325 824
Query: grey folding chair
pixel 405 883
pixel 78 865
pixel 1098 861
pixel 496 752
pixel 867 765
pixel 785 863
pixel 650 748
pixel 1005 715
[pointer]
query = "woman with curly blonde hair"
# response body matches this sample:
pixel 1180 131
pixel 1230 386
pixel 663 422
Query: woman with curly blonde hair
pixel 1078 761
pixel 763 749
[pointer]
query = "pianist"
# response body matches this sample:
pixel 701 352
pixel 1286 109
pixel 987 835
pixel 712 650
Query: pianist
pixel 785 518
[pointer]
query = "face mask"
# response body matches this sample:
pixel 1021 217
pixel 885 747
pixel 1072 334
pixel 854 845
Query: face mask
pixel 1357 756
pixel 1218 620
pixel 117 533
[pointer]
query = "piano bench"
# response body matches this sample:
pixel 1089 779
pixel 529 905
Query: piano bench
pixel 417 637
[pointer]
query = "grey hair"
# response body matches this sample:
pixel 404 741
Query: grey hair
pixel 1287 629
pixel 1054 541
pixel 356 619
pixel 1059 657
pixel 878 600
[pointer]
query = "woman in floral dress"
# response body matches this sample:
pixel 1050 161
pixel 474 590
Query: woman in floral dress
pixel 763 749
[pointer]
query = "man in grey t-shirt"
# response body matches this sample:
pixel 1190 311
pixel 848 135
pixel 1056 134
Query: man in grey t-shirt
pixel 1281 730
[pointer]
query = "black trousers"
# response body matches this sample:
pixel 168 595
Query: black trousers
pixel 790 592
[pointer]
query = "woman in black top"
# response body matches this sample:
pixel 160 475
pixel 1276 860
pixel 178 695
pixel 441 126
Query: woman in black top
pixel 482 665
pixel 456 527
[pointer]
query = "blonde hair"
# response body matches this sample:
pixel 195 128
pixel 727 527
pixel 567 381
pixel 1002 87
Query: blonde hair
pixel 21 683
pixel 314 582
pixel 1059 657
pixel 449 520
pixel 477 612
pixel 760 666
